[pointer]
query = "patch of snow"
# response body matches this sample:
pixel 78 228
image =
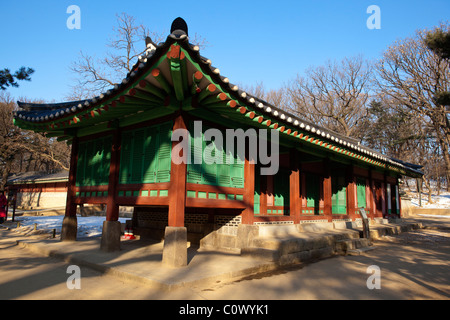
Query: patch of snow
pixel 434 216
pixel 87 226
pixel 438 202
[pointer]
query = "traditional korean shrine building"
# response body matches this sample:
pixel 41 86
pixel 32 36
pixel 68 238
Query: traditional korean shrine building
pixel 122 156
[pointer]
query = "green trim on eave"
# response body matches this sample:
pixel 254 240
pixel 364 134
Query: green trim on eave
pixel 68 121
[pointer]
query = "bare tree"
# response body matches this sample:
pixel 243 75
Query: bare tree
pixel 411 74
pixel 128 43
pixel 392 130
pixel 276 97
pixel 334 95
pixel 23 150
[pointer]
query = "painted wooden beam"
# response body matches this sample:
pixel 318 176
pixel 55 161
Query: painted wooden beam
pixel 221 97
pixel 144 95
pixel 132 100
pixel 148 87
pixel 145 116
pixel 211 88
pixel 267 122
pixel 274 126
pixel 232 104
pixel 184 75
pixel 250 115
pixel 157 74
pixel 89 130
pixel 196 78
pixel 221 105
pixel 241 110
pixel 259 119
pixel 177 62
pixel 177 79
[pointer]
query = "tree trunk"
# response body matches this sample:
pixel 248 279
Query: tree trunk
pixel 5 174
pixel 428 185
pixel 444 143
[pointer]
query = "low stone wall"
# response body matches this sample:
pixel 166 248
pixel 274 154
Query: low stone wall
pixel 432 211
pixel 38 200
pixel 318 241
pixel 226 232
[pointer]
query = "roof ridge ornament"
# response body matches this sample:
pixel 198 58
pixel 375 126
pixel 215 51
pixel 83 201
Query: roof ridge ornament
pixel 179 28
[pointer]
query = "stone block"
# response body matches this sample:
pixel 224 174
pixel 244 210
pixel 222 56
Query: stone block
pixel 111 233
pixel 69 229
pixel 315 227
pixel 267 231
pixel 175 247
pixel 296 257
pixel 245 235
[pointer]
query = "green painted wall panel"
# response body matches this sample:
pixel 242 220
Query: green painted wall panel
pixel 146 155
pixel 339 194
pixel 257 196
pixel 94 159
pixel 361 192
pixel 207 171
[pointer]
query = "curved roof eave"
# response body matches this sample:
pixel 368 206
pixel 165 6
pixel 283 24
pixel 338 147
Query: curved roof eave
pixel 45 113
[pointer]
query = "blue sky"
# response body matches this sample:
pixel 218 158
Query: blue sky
pixel 249 41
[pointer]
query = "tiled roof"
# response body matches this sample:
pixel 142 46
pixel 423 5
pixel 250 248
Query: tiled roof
pixel 46 115
pixel 37 176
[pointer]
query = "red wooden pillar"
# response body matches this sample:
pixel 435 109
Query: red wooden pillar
pixel 112 208
pixel 177 188
pixel 302 190
pixel 374 194
pixel 294 186
pixel 263 195
pixel 351 193
pixel 71 207
pixel 249 191
pixel 384 197
pixel 327 191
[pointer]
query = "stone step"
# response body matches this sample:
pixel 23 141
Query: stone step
pixel 292 244
pixel 345 246
pixel 271 231
pixel 261 253
pixel 274 255
pixel 381 231
pixel 300 241
pixel 360 251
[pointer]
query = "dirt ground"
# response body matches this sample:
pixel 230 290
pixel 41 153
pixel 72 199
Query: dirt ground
pixel 412 266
